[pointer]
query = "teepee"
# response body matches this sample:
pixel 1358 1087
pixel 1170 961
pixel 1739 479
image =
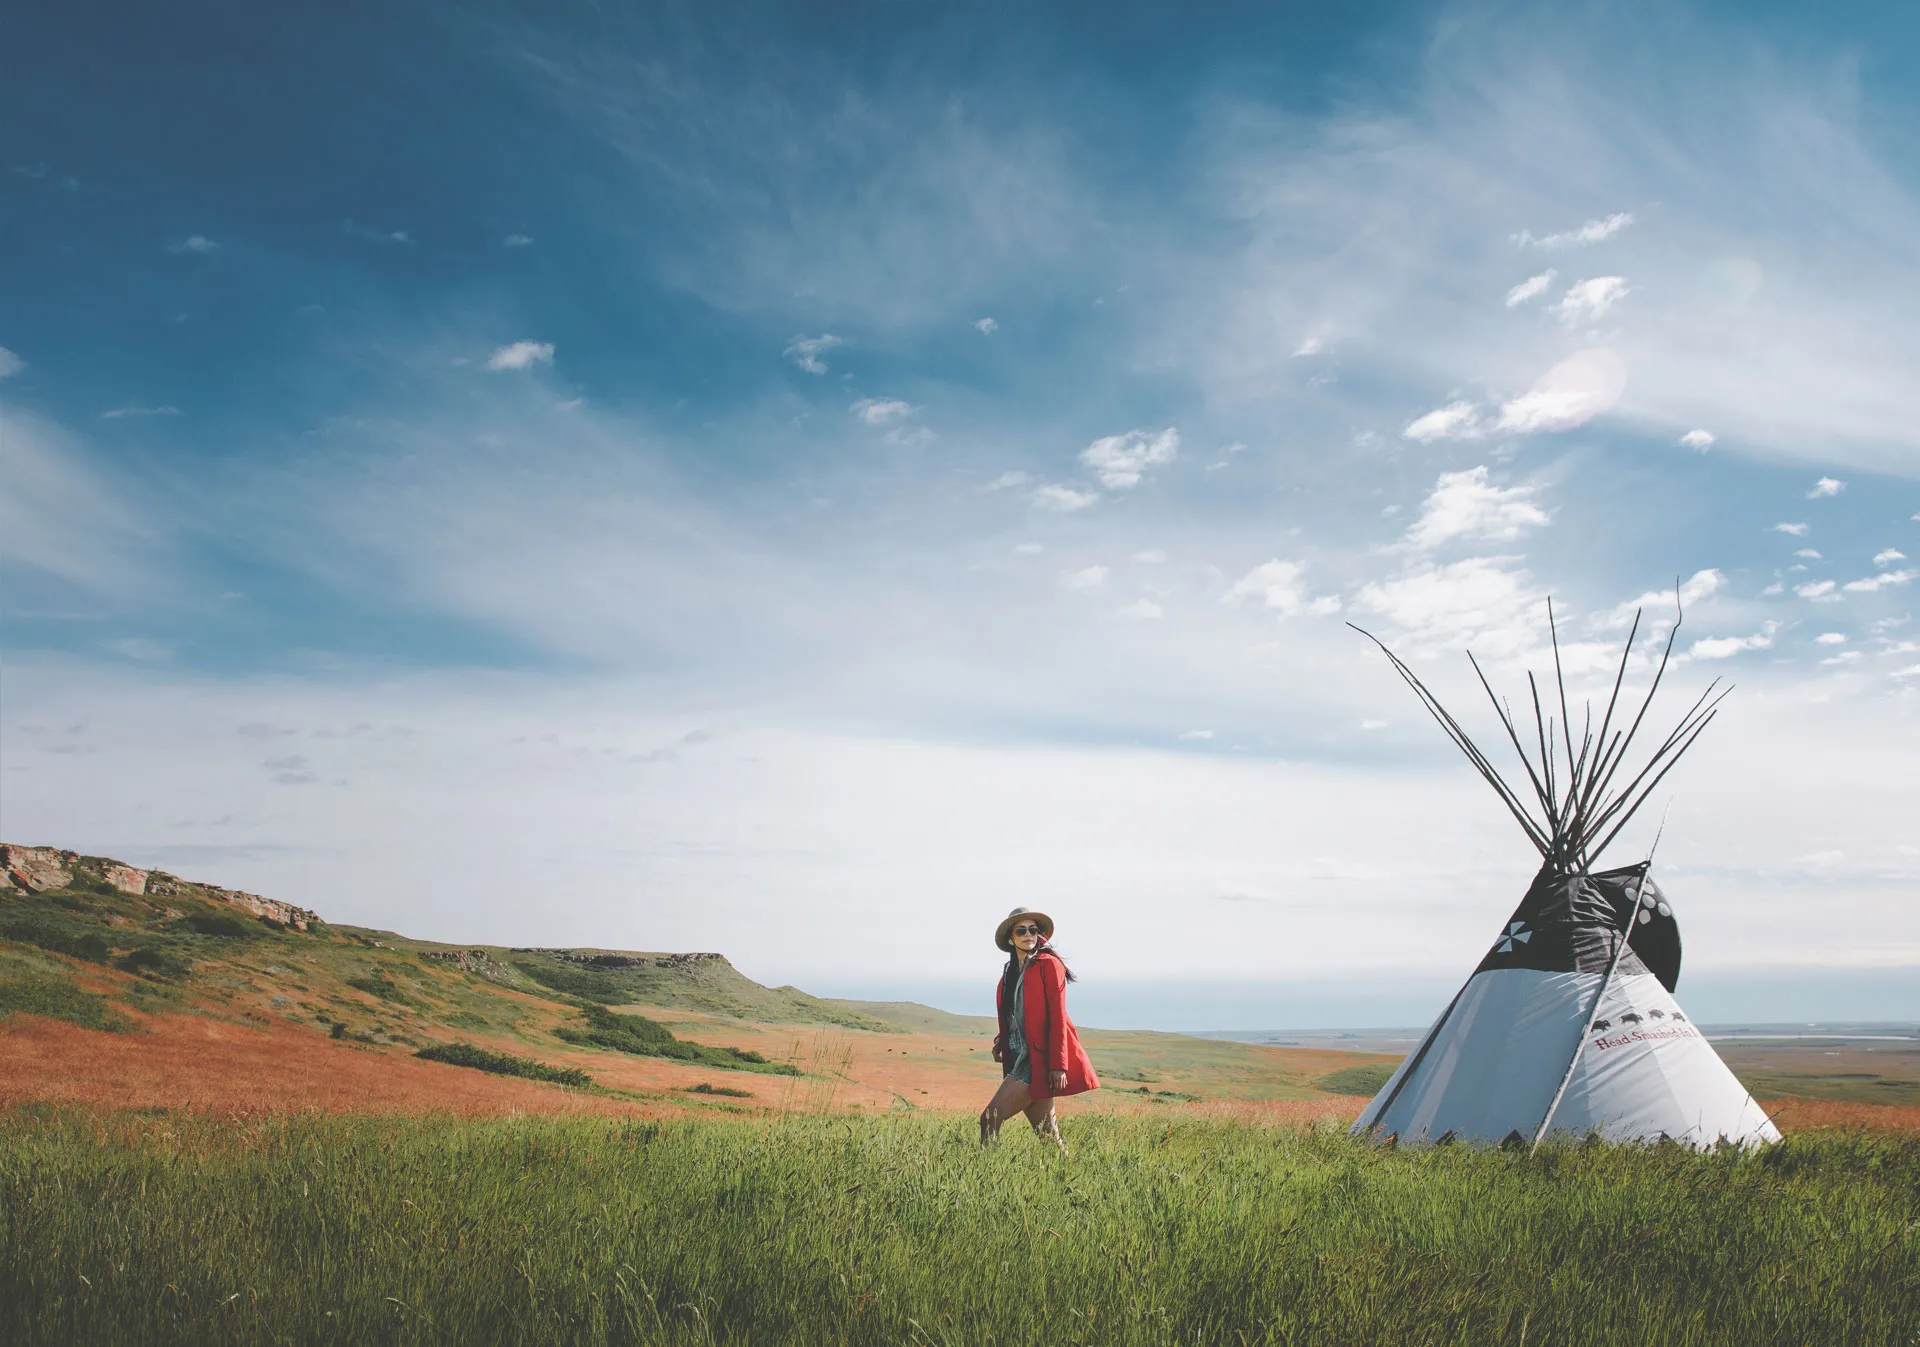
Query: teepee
pixel 1568 1026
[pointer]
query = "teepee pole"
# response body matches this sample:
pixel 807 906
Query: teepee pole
pixel 1593 1013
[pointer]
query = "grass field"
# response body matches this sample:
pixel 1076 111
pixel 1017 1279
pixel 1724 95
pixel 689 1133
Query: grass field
pixel 186 1229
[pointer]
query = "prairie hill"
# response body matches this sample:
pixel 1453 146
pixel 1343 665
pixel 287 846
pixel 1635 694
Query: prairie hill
pixel 134 987
pixel 159 943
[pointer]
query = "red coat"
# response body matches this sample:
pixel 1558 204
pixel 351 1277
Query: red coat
pixel 1052 1041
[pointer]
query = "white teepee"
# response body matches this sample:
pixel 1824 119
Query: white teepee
pixel 1569 1026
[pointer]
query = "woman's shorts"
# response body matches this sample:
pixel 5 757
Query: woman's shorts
pixel 1022 1068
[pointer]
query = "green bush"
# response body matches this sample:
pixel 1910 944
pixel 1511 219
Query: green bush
pixel 149 961
pixel 224 926
pixel 32 991
pixel 501 1064
pixel 584 983
pixel 382 986
pixel 643 1037
pixel 56 934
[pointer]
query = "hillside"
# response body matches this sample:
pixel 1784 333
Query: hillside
pixel 134 987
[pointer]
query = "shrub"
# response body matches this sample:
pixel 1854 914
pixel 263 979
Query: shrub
pixel 148 961
pixel 502 1064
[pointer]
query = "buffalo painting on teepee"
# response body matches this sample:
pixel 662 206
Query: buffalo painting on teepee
pixel 1568 1027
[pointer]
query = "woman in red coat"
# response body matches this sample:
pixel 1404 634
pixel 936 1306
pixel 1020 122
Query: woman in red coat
pixel 1038 1050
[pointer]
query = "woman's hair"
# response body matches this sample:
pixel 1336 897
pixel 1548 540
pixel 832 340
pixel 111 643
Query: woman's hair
pixel 1044 947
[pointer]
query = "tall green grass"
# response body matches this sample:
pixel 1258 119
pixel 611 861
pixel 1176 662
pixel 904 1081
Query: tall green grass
pixel 900 1230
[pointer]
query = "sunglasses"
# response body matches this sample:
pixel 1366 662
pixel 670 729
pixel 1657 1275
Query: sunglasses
pixel 1028 930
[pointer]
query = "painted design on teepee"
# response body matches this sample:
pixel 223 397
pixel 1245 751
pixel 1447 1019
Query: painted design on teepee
pixel 1568 1024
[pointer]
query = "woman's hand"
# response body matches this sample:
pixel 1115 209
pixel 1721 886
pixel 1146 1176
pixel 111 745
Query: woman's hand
pixel 1056 1081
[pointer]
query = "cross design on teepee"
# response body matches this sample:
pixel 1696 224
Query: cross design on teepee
pixel 1516 933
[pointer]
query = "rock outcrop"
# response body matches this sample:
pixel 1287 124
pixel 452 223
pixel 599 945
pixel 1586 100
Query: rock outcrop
pixel 40 869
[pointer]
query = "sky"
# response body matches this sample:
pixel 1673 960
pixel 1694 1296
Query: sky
pixel 799 481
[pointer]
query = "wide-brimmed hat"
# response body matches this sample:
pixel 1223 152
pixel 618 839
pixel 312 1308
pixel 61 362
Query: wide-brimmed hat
pixel 1003 937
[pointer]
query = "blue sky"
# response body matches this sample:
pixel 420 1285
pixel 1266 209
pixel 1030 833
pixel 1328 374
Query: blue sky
pixel 799 482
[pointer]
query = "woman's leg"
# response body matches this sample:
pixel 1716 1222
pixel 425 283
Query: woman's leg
pixel 1009 1099
pixel 1040 1113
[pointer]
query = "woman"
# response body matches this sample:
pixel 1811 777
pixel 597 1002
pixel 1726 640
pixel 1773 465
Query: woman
pixel 1037 1048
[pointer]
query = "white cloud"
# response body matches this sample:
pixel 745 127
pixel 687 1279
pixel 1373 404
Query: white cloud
pixel 1810 554
pixel 1820 591
pixel 1274 583
pixel 1120 460
pixel 10 364
pixel 1911 671
pixel 1093 577
pixel 1455 421
pixel 1028 549
pixel 1874 583
pixel 1698 439
pixel 1153 556
pixel 521 355
pixel 806 351
pixel 882 411
pixel 1197 736
pixel 987 326
pixel 1007 480
pixel 1572 393
pixel 1064 499
pixel 198 245
pixel 1830 638
pixel 1373 724
pixel 1485 602
pixel 1826 486
pixel 1531 288
pixel 517 241
pixel 1796 530
pixel 1313 345
pixel 1277 585
pixel 1142 610
pixel 1888 557
pixel 1587 301
pixel 1725 647
pixel 1593 231
pixel 1700 585
pixel 1466 505
pixel 115 414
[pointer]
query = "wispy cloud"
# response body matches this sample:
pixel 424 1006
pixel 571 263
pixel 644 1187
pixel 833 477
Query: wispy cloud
pixel 1826 486
pixel 882 411
pixel 1588 301
pixel 1570 394
pixel 1280 586
pixel 1142 610
pixel 1873 584
pixel 1593 231
pixel 1794 530
pixel 1726 647
pixel 1820 591
pixel 372 235
pixel 1007 480
pixel 116 413
pixel 1467 505
pixel 1119 461
pixel 1887 556
pixel 1455 421
pixel 517 241
pixel 987 326
pixel 1698 439
pixel 1090 577
pixel 521 355
pixel 1531 288
pixel 197 245
pixel 806 352
pixel 1064 499
pixel 10 364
